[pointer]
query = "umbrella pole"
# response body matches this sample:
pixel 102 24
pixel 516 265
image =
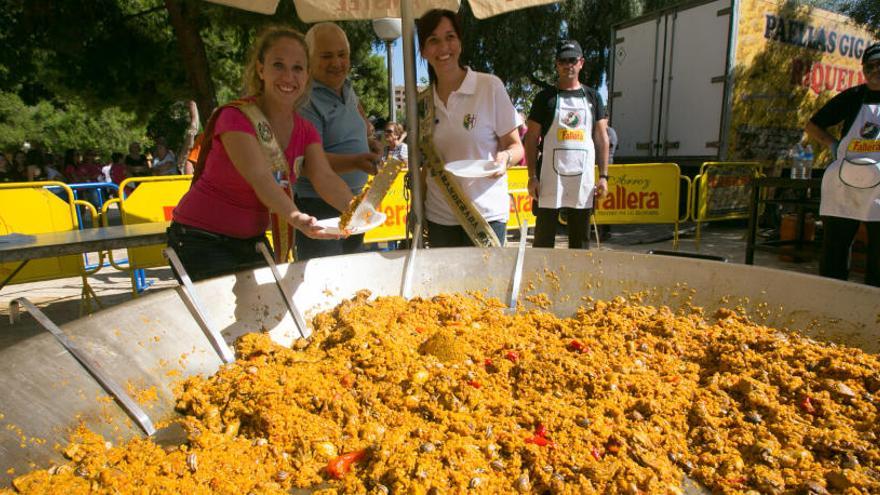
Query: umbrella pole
pixel 407 21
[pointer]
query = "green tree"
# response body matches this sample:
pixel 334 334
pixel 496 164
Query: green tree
pixel 866 12
pixel 144 56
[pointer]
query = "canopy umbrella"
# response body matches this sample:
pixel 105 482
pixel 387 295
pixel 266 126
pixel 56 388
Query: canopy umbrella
pixel 407 10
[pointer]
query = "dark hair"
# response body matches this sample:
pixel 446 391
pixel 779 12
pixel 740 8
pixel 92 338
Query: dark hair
pixel 35 157
pixel 69 156
pixel 116 156
pixel 426 25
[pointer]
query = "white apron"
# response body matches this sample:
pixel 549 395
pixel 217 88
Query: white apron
pixel 569 157
pixel 851 184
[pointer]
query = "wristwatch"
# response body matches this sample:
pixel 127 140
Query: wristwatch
pixel 603 176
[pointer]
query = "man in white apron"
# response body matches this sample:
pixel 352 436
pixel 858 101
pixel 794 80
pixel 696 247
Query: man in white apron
pixel 851 184
pixel 571 122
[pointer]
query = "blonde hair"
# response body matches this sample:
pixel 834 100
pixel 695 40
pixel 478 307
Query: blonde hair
pixel 396 128
pixel 313 31
pixel 253 85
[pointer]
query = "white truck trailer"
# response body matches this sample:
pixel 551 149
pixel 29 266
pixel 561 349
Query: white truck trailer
pixel 726 79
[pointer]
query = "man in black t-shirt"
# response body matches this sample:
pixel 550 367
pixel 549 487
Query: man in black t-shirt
pixel 570 121
pixel 851 184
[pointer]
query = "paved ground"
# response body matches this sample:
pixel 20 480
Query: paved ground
pixel 60 299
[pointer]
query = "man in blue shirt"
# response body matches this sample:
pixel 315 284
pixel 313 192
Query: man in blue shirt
pixel 336 113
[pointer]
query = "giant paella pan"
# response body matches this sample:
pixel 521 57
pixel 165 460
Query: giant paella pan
pixel 619 373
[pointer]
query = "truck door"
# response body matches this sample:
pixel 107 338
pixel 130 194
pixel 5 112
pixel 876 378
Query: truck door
pixel 635 91
pixel 696 64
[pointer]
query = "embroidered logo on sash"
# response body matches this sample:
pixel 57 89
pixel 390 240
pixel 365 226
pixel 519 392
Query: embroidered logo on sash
pixel 571 119
pixel 264 131
pixel 569 135
pixel 470 120
pixel 870 131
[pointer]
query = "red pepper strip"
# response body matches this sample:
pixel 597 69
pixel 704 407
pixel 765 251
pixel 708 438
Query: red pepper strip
pixel 511 356
pixel 540 437
pixel 420 329
pixel 487 363
pixel 596 454
pixel 578 347
pixel 339 466
pixel 474 383
pixel 807 405
pixel 540 441
pixel 737 481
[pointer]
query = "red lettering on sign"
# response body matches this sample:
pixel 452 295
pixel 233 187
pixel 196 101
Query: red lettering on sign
pixel 168 211
pixel 394 215
pixel 821 77
pixel 621 199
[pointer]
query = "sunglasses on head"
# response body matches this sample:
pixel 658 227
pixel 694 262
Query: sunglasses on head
pixel 567 60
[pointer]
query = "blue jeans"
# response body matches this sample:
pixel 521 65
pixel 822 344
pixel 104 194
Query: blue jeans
pixel 455 235
pixel 308 248
pixel 206 254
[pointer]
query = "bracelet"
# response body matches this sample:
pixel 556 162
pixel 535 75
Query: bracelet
pixel 603 176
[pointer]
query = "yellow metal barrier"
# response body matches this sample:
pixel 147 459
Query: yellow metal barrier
pixel 39 210
pixel 643 193
pixel 152 200
pixel 723 191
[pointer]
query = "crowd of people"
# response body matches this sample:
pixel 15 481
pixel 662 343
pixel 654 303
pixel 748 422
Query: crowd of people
pixel 76 167
pixel 320 149
pixel 299 146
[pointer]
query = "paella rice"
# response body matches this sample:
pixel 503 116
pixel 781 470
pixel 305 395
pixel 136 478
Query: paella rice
pixel 451 395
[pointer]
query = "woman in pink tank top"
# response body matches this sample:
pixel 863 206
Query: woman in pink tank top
pixel 217 224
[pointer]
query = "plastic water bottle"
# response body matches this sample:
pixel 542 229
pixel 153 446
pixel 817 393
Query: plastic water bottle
pixel 807 163
pixel 796 156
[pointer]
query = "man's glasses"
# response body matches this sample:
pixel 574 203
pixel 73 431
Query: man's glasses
pixel 872 66
pixel 567 60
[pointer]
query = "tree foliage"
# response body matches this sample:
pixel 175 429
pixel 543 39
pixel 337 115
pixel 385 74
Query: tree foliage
pixel 68 126
pixel 865 12
pixel 126 55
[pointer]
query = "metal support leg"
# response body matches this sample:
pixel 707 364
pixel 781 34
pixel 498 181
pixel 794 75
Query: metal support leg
pixel 409 266
pixel 516 279
pixel 189 293
pixel 298 319
pixel 125 401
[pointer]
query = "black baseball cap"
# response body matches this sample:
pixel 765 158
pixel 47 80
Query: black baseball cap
pixel 568 49
pixel 871 53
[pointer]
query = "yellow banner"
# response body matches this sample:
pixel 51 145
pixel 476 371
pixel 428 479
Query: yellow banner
pixel 640 193
pixel 395 207
pixel 790 60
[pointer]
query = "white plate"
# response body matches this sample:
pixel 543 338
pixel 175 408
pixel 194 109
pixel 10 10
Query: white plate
pixel 472 169
pixel 331 225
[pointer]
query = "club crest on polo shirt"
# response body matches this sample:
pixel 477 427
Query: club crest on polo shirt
pixel 264 132
pixel 470 120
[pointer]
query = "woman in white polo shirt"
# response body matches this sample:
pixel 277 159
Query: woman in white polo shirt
pixel 473 119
